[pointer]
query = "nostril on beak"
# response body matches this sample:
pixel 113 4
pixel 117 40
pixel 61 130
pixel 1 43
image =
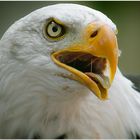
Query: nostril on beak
pixel 94 34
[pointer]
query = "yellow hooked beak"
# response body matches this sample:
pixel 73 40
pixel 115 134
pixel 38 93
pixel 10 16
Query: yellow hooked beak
pixel 94 61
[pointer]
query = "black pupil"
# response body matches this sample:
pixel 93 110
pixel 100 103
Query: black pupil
pixel 55 28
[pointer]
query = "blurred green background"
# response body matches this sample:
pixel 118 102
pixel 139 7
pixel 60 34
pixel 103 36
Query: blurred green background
pixel 126 15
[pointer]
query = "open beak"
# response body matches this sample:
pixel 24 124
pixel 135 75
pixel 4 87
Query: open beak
pixel 93 62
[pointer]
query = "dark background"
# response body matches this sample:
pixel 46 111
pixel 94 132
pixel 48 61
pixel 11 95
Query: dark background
pixel 126 15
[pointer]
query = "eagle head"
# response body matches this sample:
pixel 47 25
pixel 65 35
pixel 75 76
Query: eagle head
pixel 54 56
pixel 65 48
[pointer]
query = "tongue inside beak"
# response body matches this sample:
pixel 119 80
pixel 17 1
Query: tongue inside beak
pixel 99 78
pixel 88 69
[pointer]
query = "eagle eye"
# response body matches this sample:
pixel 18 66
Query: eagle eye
pixel 54 30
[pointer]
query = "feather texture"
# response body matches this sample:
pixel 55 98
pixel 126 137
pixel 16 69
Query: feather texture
pixel 37 101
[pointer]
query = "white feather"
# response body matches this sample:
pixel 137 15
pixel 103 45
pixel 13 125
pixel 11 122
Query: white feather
pixel 35 98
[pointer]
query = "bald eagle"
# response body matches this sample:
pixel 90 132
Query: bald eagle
pixel 59 77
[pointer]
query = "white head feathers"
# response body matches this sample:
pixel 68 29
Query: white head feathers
pixel 35 96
